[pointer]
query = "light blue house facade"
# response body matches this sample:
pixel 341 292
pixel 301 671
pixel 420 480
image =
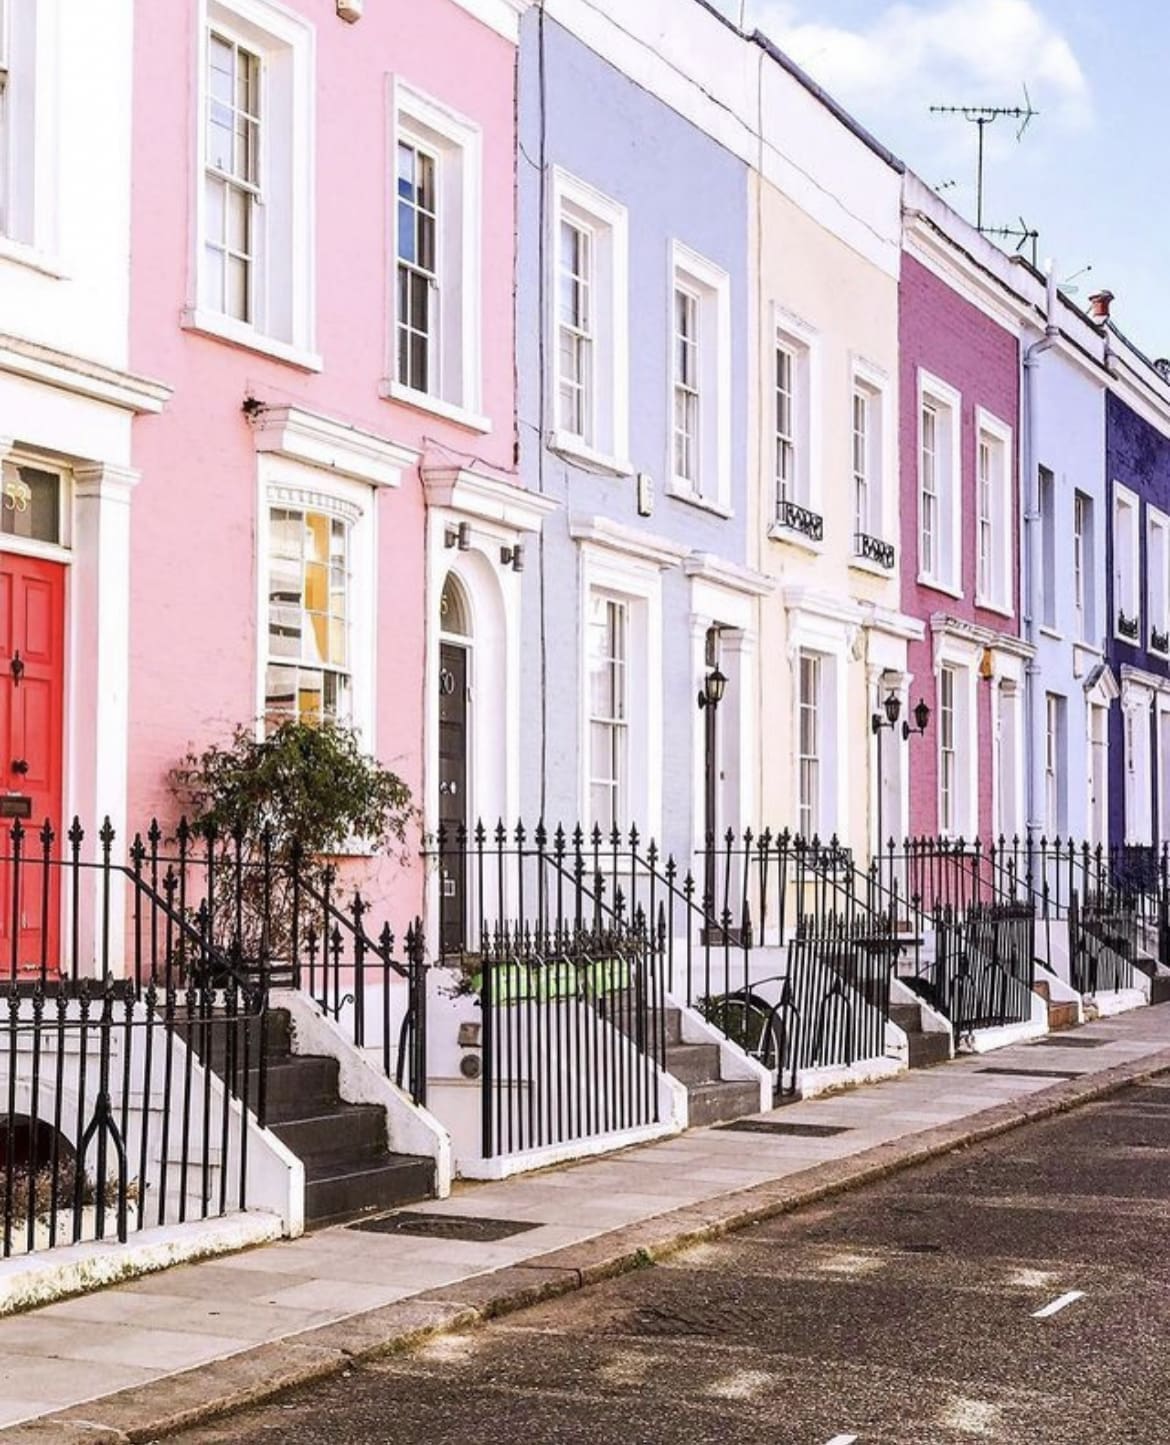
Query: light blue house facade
pixel 634 376
pixel 1070 690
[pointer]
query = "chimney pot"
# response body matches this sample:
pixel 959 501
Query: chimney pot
pixel 1099 304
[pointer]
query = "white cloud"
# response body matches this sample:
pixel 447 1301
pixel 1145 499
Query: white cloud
pixel 912 55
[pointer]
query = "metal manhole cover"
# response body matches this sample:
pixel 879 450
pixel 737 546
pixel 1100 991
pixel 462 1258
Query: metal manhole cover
pixel 446 1226
pixel 1062 1043
pixel 768 1126
pixel 1035 1073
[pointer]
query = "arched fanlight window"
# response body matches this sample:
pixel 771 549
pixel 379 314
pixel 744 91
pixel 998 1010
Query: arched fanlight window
pixel 454 614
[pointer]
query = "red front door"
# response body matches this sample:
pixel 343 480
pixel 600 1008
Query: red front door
pixel 32 687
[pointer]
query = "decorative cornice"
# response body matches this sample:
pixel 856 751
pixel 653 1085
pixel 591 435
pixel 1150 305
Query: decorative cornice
pixel 601 532
pixel 709 568
pixel 942 624
pixel 1101 684
pixel 463 489
pixel 320 441
pixel 105 481
pixel 830 606
pixel 894 624
pixel 80 375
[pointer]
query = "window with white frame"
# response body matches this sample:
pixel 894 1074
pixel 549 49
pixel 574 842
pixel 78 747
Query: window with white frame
pixel 1138 778
pixel 437 253
pixel 254 267
pixel 1084 607
pixel 1158 581
pixel 308 675
pixel 862 458
pixel 957 746
pixel 27 80
pixel 867 466
pixel 793 468
pixel 700 378
pixel 1126 561
pixel 938 478
pixel 5 122
pixel 1054 768
pixel 590 323
pixel 608 656
pixel 1046 483
pixel 993 552
pixel 810 710
pixel 947 755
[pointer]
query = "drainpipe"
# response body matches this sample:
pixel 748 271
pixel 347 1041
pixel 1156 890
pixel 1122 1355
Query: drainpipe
pixel 1032 540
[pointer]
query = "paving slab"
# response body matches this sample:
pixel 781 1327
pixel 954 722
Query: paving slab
pixel 144 1357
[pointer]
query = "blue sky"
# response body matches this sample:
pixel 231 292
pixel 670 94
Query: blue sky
pixel 1091 172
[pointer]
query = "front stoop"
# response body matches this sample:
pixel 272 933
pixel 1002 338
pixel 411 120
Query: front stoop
pixel 1062 1014
pixel 925 1048
pixel 348 1168
pixel 711 1099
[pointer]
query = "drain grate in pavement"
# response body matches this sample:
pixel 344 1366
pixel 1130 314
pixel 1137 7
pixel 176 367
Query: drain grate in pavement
pixel 1061 1043
pixel 1035 1073
pixel 446 1226
pixel 798 1131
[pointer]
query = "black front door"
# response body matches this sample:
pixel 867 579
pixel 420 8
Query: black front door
pixel 453 793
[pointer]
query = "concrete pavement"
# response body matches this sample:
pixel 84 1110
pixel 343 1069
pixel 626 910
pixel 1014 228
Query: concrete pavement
pixel 149 1355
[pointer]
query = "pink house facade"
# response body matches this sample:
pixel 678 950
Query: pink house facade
pixel 960 397
pixel 323 274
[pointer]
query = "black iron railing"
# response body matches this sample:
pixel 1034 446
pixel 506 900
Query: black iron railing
pixel 792 517
pixel 1103 941
pixel 983 968
pixel 1128 627
pixel 873 549
pixel 573 1034
pixel 1159 641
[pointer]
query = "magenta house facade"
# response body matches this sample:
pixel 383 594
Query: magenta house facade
pixel 326 281
pixel 959 487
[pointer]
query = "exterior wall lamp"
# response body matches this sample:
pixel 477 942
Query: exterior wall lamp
pixel 459 536
pixel 892 707
pixel 513 557
pixel 921 718
pixel 714 685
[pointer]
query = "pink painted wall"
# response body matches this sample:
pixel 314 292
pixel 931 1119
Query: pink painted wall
pixel 941 332
pixel 194 585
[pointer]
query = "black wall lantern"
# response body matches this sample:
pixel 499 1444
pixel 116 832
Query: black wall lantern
pixel 714 685
pixel 921 718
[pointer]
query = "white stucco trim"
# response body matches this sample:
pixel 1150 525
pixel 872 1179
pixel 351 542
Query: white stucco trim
pixel 630 541
pixel 475 494
pixel 728 575
pixel 81 376
pixel 502 16
pixel 321 441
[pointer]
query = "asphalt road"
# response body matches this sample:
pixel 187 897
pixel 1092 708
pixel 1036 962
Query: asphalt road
pixel 902 1314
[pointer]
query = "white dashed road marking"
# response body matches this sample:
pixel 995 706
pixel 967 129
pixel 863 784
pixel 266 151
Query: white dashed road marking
pixel 843 1440
pixel 1058 1304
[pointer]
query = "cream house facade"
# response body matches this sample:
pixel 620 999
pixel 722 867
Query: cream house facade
pixel 833 641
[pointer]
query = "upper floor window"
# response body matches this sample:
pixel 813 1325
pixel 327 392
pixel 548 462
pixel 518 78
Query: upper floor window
pixel 993 578
pixel 701 379
pixel 1158 581
pixel 867 466
pixel 437 248
pixel 5 123
pixel 1084 601
pixel 27 152
pixel 1126 548
pixel 1046 482
pixel 233 198
pixel 938 478
pixel 590 325
pixel 608 710
pixel 307 672
pixel 254 207
pixel 794 471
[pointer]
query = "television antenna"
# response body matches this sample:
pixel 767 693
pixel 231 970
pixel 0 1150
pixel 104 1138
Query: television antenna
pixel 1068 286
pixel 1021 234
pixel 982 116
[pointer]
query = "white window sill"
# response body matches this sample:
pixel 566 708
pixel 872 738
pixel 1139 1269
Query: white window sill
pixel 21 254
pixel 873 569
pixel 681 491
pixel 791 538
pixel 986 604
pixel 1051 633
pixel 1134 642
pixel 238 333
pixel 424 401
pixel 573 448
pixel 936 586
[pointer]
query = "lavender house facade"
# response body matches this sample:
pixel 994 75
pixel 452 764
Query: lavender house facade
pixel 633 365
pixel 1137 460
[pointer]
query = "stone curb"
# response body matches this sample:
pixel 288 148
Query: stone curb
pixel 176 1402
